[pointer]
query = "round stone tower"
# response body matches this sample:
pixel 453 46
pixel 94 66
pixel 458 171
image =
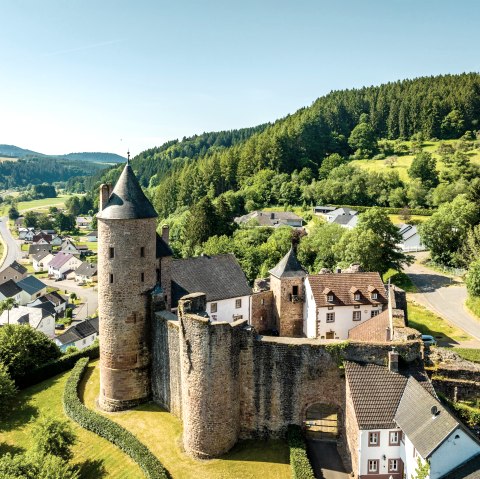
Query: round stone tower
pixel 126 276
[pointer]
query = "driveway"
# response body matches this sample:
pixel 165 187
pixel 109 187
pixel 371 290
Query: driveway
pixel 325 460
pixel 443 295
pixel 14 252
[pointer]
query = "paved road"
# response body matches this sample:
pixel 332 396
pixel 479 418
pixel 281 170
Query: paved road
pixel 325 460
pixel 13 248
pixel 443 295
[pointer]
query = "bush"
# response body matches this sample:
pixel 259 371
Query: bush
pixel 106 428
pixel 7 391
pixel 60 365
pixel 301 467
pixel 391 211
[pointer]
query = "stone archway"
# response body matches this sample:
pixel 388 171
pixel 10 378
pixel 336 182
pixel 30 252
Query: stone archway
pixel 322 422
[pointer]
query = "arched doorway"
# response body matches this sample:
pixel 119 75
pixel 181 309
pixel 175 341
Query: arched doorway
pixel 321 422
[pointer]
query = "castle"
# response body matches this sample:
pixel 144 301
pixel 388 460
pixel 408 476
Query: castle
pixel 221 378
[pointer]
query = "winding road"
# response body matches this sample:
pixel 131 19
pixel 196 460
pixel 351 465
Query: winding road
pixel 14 252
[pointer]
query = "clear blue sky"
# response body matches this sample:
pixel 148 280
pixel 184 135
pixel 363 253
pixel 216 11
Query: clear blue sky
pixel 107 75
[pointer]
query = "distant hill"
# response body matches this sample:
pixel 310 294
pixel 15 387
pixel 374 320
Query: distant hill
pixel 16 152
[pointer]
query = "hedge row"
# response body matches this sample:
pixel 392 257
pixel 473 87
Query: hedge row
pixel 301 467
pixel 106 428
pixel 57 366
pixel 469 415
pixel 391 211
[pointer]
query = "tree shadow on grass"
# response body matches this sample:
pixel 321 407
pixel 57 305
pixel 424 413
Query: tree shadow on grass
pixel 92 469
pixel 22 412
pixel 6 448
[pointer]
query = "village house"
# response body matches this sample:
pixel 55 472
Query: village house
pixel 411 240
pixel 52 302
pixel 83 221
pixel 40 261
pixel 22 232
pixel 28 236
pixel 221 278
pixel 323 210
pixel 80 336
pixel 14 271
pixel 32 288
pixel 393 419
pixel 86 273
pixel 273 219
pixel 42 238
pixel 92 236
pixel 36 249
pixel 9 289
pixel 68 246
pixel 36 318
pixel 337 302
pixel 63 265
pixel 43 303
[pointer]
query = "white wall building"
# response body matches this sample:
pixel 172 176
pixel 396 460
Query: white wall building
pixel 411 240
pixel 32 288
pixel 62 263
pixel 36 318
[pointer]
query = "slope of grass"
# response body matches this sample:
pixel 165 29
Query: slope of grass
pixel 43 204
pixel 400 279
pixel 96 456
pixel 473 305
pixel 161 432
pixel 429 323
pixel 469 354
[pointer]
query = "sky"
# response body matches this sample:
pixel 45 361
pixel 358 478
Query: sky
pixel 113 75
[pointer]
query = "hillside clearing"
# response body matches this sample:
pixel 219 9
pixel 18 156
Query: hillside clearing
pixel 44 204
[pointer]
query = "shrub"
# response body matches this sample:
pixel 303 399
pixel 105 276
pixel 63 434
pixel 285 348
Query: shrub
pixel 301 467
pixel 60 365
pixel 7 391
pixel 53 437
pixel 106 428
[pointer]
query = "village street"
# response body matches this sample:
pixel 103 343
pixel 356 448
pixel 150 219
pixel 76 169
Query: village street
pixel 13 251
pixel 443 295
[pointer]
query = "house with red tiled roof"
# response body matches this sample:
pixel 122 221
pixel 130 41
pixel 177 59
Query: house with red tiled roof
pixel 337 302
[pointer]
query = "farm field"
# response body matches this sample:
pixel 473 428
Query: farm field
pixel 161 432
pixel 43 204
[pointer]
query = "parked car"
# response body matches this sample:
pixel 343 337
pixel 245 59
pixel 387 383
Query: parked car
pixel 429 340
pixel 59 326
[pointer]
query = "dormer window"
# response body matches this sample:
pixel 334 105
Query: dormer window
pixel 330 298
pixel 374 295
pixel 356 296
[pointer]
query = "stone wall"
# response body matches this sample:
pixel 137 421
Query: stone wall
pixel 351 432
pixel 457 390
pixel 165 266
pixel 287 312
pixel 262 318
pixel 124 282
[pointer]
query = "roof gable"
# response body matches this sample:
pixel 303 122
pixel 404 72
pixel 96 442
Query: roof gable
pixel 288 267
pixel 31 284
pixel 10 289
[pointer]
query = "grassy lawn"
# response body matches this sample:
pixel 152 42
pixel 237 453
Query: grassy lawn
pixel 161 432
pixel 400 279
pixel 429 323
pixel 396 220
pixel 473 305
pixel 93 453
pixel 43 204
pixel 469 354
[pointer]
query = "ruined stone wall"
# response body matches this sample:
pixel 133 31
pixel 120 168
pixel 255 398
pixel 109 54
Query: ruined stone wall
pixel 288 314
pixel 351 432
pixel 262 318
pixel 123 302
pixel 166 376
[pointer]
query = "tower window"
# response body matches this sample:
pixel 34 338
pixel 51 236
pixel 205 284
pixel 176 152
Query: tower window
pixel 112 252
pixel 111 278
pixel 158 275
pixel 142 277
pixel 142 252
pixel 295 290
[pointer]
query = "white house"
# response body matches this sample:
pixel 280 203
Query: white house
pixel 86 273
pixel 92 236
pixel 52 302
pixel 32 288
pixel 69 247
pixel 40 261
pixel 221 278
pixel 80 335
pixel 83 221
pixel 62 264
pixel 343 211
pixel 337 302
pixel 392 420
pixel 37 318
pixel 411 240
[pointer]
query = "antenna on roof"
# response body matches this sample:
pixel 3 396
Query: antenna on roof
pixel 128 156
pixel 435 412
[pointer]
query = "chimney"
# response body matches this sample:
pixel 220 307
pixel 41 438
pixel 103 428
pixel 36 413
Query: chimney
pixel 388 335
pixel 105 192
pixel 393 361
pixel 166 233
pixel 272 216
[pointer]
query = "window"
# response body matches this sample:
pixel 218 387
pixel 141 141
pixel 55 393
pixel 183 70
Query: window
pixel 295 290
pixel 142 251
pixel 111 278
pixel 213 307
pixel 374 295
pixel 238 303
pixel 374 439
pixel 373 465
pixel 142 277
pixel 393 465
pixel 330 298
pixel 112 252
pixel 158 275
pixel 394 438
pixel 330 317
pixel 357 296
pixel 357 315
pixel 263 301
pixel 374 312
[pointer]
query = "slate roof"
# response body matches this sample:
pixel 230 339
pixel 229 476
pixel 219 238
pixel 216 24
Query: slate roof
pixel 345 220
pixel 407 231
pixel 24 315
pixel 414 415
pixel 69 336
pixel 35 249
pixel 376 393
pixel 60 259
pixel 341 285
pixel 269 218
pixel 372 330
pixel 55 298
pixel 343 211
pixel 93 233
pixel 163 249
pixel 18 267
pixel 9 289
pixel 288 267
pixel 31 285
pixel 47 237
pixel 45 306
pixel 127 200
pixel 79 331
pixel 219 277
pixel 468 470
pixel 38 257
pixel 86 269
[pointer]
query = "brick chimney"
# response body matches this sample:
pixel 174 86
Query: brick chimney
pixel 105 192
pixel 166 233
pixel 393 361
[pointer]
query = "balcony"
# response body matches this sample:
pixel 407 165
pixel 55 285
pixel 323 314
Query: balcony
pixel 295 298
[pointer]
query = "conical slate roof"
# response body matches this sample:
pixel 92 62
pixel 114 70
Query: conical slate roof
pixel 288 267
pixel 127 201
